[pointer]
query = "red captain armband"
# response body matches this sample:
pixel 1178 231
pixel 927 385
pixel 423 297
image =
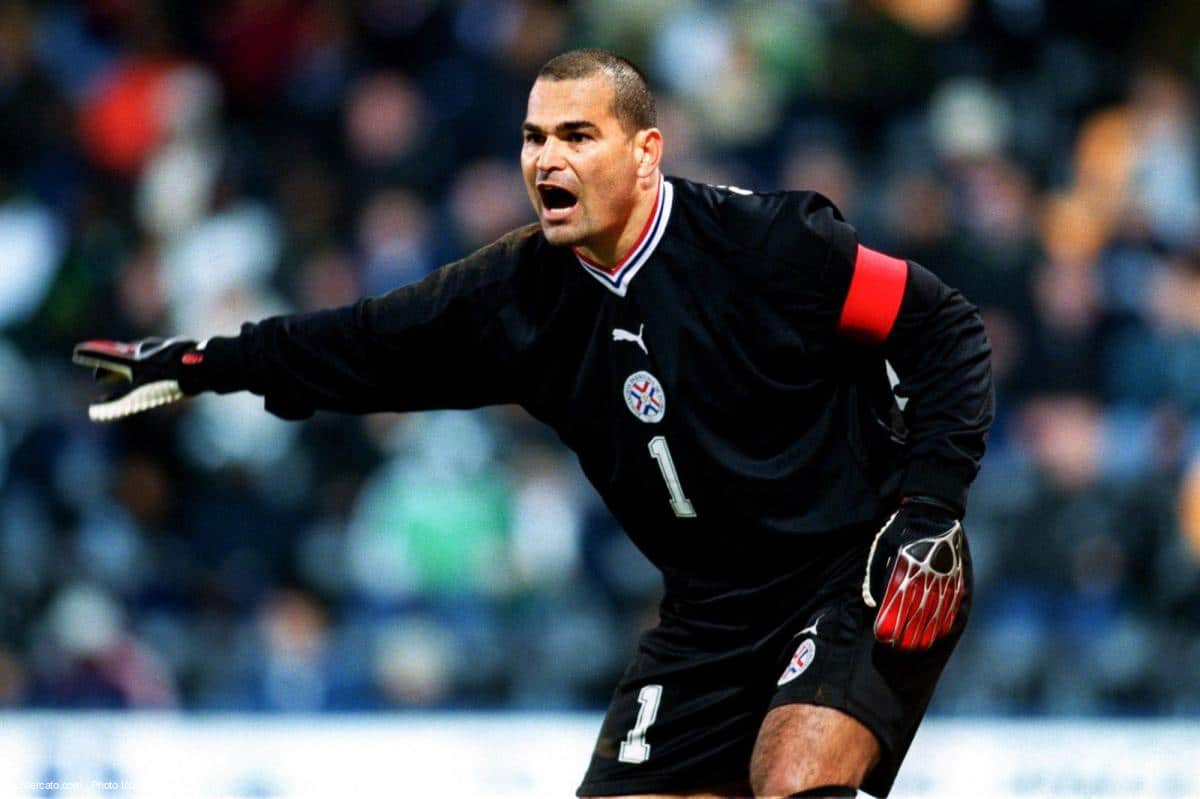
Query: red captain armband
pixel 873 302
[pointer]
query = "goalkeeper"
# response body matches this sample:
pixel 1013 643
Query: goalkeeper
pixel 716 358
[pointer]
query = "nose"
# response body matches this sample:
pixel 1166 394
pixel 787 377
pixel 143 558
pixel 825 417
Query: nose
pixel 550 156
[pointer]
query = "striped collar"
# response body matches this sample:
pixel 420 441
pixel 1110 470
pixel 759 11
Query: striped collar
pixel 617 278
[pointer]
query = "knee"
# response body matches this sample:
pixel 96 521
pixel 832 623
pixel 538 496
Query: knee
pixel 773 777
pixel 781 779
pixel 768 778
pixel 779 782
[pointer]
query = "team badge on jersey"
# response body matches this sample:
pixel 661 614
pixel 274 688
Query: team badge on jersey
pixel 644 397
pixel 800 661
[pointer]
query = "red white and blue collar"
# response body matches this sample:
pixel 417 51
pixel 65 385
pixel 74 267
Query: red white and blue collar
pixel 617 278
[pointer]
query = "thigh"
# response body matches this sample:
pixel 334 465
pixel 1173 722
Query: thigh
pixel 804 746
pixel 835 662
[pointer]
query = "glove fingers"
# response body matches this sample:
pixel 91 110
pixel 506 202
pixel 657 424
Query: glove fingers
pixel 142 398
pixel 938 602
pixel 894 609
pixel 105 370
pixel 109 377
pixel 941 612
pixel 919 606
pixel 918 628
pixel 956 598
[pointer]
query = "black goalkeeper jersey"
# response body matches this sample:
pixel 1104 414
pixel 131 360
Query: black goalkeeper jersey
pixel 723 386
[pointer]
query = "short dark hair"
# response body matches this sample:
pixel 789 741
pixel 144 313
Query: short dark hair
pixel 633 104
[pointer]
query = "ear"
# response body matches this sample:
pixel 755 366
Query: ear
pixel 648 150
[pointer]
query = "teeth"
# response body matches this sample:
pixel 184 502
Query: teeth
pixel 142 398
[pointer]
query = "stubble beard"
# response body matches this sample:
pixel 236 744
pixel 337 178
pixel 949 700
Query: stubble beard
pixel 561 235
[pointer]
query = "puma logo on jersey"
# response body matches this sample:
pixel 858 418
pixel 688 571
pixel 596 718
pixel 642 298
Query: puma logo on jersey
pixel 625 335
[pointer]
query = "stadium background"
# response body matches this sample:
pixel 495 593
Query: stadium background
pixel 178 168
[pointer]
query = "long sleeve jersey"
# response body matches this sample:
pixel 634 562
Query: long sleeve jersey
pixel 723 384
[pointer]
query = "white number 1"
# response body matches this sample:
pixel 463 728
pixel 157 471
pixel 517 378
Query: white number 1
pixel 679 503
pixel 634 748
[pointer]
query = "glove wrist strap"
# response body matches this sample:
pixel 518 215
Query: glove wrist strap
pixel 218 369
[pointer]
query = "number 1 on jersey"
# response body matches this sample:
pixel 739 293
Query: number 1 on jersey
pixel 679 503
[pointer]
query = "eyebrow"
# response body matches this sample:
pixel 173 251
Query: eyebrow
pixel 562 127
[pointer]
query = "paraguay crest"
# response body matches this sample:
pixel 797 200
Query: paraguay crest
pixel 800 661
pixel 644 397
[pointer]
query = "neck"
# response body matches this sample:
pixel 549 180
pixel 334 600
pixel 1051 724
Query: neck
pixel 609 251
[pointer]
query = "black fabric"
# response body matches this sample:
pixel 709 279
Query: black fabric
pixel 720 653
pixel 774 424
pixel 941 354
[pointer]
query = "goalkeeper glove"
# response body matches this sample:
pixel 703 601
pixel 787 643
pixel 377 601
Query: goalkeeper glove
pixel 141 374
pixel 915 570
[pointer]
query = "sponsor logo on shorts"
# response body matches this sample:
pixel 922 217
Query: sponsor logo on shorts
pixel 812 628
pixel 644 397
pixel 800 661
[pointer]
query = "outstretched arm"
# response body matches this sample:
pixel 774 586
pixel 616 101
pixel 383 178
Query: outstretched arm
pixel 446 342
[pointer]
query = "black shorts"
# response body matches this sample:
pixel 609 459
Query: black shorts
pixel 686 713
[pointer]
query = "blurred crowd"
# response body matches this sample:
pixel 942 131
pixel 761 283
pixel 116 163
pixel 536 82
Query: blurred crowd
pixel 177 168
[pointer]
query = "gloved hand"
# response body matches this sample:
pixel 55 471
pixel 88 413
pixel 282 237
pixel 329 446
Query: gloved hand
pixel 916 566
pixel 142 374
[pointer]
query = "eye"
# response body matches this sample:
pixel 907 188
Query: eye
pixel 576 137
pixel 533 138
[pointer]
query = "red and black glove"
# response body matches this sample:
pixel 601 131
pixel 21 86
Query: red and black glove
pixel 140 374
pixel 915 574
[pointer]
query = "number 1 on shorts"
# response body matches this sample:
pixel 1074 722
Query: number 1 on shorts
pixel 634 748
pixel 679 503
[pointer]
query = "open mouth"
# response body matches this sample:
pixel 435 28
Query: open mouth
pixel 557 202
